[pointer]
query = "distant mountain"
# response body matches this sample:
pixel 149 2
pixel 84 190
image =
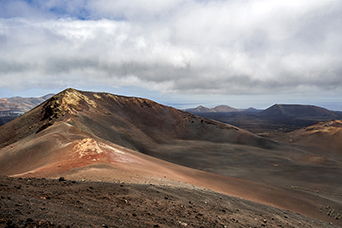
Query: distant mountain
pixel 298 111
pixel 275 119
pixel 11 108
pixel 199 109
pixel 21 104
pixel 220 108
pixel 252 110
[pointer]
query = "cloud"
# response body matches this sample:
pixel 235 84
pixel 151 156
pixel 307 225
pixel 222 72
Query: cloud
pixel 173 46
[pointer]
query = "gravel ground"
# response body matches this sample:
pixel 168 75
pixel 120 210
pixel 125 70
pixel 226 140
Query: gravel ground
pixel 33 202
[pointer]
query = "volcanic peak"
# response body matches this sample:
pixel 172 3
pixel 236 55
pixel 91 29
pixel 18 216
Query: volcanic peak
pixel 294 110
pixel 69 101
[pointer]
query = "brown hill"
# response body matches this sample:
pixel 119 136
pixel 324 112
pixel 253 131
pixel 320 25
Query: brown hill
pixel 21 104
pixel 99 136
pixel 324 138
pixel 132 122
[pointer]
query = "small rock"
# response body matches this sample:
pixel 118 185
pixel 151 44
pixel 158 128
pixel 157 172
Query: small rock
pixel 61 179
pixel 183 223
pixel 29 220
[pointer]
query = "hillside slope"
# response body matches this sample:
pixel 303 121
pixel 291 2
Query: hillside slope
pixel 323 138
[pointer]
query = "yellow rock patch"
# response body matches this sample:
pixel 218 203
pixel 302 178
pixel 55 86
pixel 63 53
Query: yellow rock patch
pixel 86 147
pixel 72 98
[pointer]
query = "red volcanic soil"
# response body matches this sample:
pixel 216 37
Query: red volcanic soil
pixel 100 137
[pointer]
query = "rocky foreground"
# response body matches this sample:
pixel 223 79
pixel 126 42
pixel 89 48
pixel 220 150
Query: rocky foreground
pixel 32 202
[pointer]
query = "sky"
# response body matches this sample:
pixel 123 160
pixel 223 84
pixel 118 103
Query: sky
pixel 183 53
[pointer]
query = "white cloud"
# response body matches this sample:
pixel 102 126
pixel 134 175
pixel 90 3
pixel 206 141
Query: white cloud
pixel 218 47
